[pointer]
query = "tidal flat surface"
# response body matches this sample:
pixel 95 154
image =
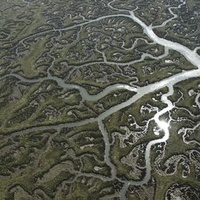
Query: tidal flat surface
pixel 99 100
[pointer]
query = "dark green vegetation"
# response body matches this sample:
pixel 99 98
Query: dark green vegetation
pixel 67 70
